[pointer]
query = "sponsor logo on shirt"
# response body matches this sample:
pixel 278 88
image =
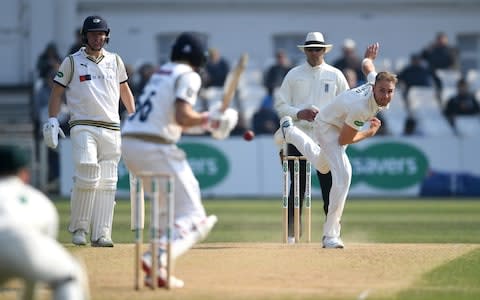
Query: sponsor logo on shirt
pixel 92 77
pixel 327 86
pixel 85 77
pixel 59 74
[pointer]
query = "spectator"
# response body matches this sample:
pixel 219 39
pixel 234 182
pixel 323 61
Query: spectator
pixel 351 76
pixel 216 70
pixel 265 119
pixel 350 60
pixel 78 41
pixel 48 60
pixel 411 127
pixel 440 56
pixel 414 74
pixel 145 71
pixel 274 75
pixel 464 103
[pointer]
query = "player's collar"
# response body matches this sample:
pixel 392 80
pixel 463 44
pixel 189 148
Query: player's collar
pixel 92 58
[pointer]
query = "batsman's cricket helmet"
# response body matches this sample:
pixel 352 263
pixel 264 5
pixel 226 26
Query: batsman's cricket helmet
pixel 189 47
pixel 94 23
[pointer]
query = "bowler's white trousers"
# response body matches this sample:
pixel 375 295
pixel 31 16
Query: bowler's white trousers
pixel 327 155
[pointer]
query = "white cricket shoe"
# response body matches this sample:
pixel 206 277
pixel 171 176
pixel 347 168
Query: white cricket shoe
pixel 79 237
pixel 175 282
pixel 291 240
pixel 332 242
pixel 161 273
pixel 103 242
pixel 205 226
pixel 285 122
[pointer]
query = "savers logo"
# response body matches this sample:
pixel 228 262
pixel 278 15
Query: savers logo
pixel 388 165
pixel 209 165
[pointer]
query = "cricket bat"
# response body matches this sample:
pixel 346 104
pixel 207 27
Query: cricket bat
pixel 231 83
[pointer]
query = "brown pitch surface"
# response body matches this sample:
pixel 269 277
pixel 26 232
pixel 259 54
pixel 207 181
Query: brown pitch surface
pixel 272 271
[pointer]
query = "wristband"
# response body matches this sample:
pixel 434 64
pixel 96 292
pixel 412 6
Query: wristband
pixel 364 61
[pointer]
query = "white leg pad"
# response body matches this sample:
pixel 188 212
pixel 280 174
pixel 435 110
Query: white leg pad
pixel 102 215
pixel 85 182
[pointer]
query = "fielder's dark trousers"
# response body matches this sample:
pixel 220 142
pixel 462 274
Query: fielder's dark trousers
pixel 325 185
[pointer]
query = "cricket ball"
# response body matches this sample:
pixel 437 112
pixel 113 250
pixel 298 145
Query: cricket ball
pixel 248 135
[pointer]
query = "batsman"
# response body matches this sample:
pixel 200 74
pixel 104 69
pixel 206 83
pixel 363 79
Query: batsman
pixel 165 110
pixel 93 80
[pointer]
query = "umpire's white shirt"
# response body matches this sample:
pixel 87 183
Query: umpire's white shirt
pixel 92 85
pixel 304 86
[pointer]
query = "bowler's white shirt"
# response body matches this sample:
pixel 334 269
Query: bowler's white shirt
pixel 304 86
pixel 354 107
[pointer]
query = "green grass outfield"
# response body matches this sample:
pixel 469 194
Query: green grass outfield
pixel 450 221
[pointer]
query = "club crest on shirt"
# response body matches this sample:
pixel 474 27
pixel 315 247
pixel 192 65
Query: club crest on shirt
pixel 358 123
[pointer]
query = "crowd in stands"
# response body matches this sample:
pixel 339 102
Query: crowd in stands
pixel 427 68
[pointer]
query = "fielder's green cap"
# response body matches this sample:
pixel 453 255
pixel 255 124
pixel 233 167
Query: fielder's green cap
pixel 12 159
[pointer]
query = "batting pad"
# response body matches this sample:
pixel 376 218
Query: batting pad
pixel 102 215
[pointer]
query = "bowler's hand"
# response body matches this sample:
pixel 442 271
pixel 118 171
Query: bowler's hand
pixel 308 114
pixel 372 51
pixel 375 124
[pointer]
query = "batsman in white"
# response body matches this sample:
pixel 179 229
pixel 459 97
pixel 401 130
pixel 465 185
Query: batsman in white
pixel 164 110
pixel 94 80
pixel 338 124
pixel 28 231
pixel 304 90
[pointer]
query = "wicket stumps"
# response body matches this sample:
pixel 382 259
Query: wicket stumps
pixel 296 196
pixel 160 207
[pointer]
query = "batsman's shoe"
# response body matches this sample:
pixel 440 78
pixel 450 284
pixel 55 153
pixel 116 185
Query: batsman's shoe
pixel 205 226
pixel 285 123
pixel 175 282
pixel 79 237
pixel 147 260
pixel 102 242
pixel 332 242
pixel 291 240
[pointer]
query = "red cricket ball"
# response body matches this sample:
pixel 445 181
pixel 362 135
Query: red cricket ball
pixel 248 135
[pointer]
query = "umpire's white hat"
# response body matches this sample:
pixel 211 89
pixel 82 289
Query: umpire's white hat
pixel 315 40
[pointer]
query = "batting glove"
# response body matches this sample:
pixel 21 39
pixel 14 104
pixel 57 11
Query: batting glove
pixel 226 122
pixel 51 130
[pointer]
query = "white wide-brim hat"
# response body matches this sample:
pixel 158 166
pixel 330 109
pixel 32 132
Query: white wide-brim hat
pixel 315 40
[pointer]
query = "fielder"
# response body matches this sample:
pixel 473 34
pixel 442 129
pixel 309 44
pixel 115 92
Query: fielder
pixel 28 232
pixel 164 110
pixel 94 80
pixel 338 124
pixel 304 90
